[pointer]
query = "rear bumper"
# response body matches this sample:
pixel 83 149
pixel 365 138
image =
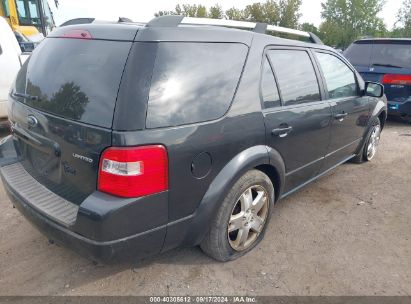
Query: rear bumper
pixel 133 247
pixel 105 228
pixel 399 109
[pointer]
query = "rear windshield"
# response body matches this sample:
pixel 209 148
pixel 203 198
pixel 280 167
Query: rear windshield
pixel 383 53
pixel 193 82
pixel 392 54
pixel 77 79
pixel 359 53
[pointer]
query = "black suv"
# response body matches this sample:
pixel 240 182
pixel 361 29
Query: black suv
pixel 130 140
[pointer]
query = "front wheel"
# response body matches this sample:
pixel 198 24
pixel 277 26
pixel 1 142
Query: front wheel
pixel 370 148
pixel 240 223
pixel 373 141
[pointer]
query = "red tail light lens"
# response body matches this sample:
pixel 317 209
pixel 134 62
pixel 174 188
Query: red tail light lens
pixel 133 172
pixel 397 79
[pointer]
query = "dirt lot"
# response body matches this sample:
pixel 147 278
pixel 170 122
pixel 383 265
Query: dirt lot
pixel 346 234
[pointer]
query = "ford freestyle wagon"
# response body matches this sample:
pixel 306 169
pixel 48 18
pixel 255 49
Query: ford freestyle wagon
pixel 131 140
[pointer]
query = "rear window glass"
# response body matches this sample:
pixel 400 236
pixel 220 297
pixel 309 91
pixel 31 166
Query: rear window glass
pixel 359 53
pixel 193 82
pixel 392 54
pixel 269 88
pixel 77 79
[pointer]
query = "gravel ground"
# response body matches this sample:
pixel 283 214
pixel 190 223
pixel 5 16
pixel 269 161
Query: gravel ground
pixel 346 234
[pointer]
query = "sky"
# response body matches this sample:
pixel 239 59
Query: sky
pixel 144 10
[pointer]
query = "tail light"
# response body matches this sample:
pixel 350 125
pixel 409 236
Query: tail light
pixel 397 79
pixel 77 34
pixel 133 172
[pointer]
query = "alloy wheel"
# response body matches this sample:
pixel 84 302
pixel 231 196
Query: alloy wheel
pixel 248 218
pixel 373 142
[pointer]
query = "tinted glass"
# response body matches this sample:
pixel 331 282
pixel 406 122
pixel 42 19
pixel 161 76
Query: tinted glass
pixel 359 53
pixel 269 88
pixel 77 79
pixel 392 54
pixel 193 82
pixel 296 76
pixel 338 76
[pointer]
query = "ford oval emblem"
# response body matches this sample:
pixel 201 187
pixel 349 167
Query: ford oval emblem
pixel 32 121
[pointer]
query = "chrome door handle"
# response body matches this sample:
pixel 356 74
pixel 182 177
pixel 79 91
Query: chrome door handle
pixel 340 116
pixel 281 132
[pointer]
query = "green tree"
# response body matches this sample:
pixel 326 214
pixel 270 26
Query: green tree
pixel 234 14
pixel 289 11
pixel 265 12
pixel 350 20
pixel 404 20
pixel 187 10
pixel 278 12
pixel 216 12
pixel 309 27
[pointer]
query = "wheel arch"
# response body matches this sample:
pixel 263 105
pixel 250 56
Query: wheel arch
pixel 259 157
pixel 380 112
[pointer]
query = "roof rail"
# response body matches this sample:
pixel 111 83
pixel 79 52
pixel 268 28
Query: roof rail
pixel 176 20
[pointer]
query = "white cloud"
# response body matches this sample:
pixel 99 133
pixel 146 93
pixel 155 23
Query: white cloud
pixel 144 10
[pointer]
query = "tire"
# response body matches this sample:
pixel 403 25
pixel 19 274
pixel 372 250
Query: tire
pixel 364 155
pixel 234 214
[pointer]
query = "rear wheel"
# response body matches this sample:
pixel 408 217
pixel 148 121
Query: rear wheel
pixel 241 221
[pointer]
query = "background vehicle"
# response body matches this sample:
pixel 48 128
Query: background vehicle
pixel 32 18
pixel 117 165
pixel 11 59
pixel 387 61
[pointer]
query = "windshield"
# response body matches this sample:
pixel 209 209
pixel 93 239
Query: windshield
pixel 392 54
pixel 28 12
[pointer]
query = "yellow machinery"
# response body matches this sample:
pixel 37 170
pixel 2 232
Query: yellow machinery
pixel 28 17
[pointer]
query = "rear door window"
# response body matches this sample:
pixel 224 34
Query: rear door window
pixel 359 53
pixel 193 82
pixel 393 54
pixel 269 89
pixel 341 81
pixel 296 76
pixel 76 78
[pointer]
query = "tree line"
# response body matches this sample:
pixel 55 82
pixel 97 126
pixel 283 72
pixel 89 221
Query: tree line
pixel 343 21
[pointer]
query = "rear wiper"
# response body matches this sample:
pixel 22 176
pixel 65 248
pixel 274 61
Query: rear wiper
pixel 386 65
pixel 26 96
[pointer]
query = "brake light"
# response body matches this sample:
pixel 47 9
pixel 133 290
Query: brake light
pixel 397 79
pixel 77 34
pixel 133 172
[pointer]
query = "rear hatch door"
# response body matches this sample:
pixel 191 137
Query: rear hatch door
pixel 63 105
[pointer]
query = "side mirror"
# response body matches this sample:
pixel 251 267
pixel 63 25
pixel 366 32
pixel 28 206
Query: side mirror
pixel 374 89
